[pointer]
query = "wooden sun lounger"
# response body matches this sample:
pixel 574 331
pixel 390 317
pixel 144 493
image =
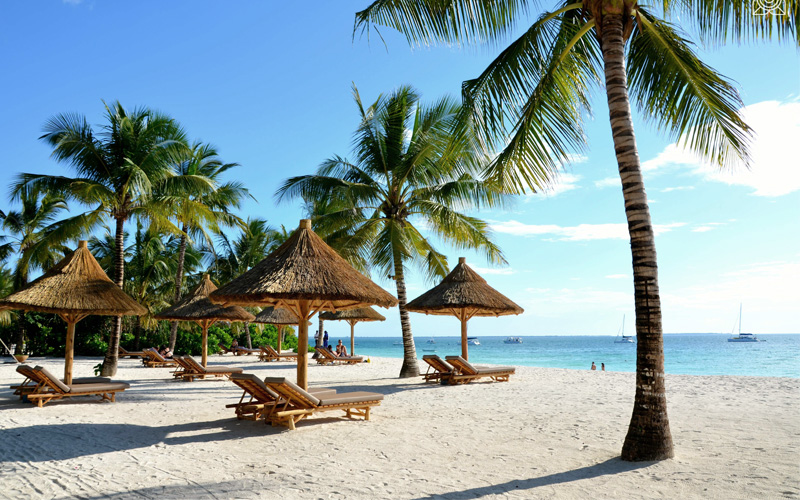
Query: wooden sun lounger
pixel 297 404
pixel 261 398
pixel 328 358
pixel 438 369
pixel 268 353
pixel 194 370
pixel 465 372
pixel 31 381
pixel 155 360
pixel 225 350
pixel 130 354
pixel 49 387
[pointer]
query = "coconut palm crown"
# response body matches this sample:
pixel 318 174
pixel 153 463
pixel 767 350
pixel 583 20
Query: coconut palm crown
pixel 409 173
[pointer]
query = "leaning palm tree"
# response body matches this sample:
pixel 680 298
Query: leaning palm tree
pixel 27 236
pixel 529 102
pixel 410 175
pixel 194 211
pixel 117 170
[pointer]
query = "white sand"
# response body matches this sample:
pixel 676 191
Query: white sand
pixel 548 433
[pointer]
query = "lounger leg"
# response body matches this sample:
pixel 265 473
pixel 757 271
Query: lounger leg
pixel 366 413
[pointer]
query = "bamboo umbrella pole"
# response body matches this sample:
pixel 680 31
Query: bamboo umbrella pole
pixel 464 344
pixel 303 308
pixel 205 324
pixel 280 334
pixel 352 337
pixel 68 354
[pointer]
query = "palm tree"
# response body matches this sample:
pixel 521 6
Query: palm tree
pixel 409 171
pixel 529 104
pixel 118 169
pixel 27 236
pixel 195 210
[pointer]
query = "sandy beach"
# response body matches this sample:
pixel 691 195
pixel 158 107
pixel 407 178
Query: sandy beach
pixel 548 433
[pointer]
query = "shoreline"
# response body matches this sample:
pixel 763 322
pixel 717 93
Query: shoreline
pixel 549 432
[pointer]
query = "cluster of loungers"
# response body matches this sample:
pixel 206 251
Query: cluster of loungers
pixel 189 369
pixel 279 401
pixel 457 370
pixel 328 358
pixel 40 386
pixel 268 353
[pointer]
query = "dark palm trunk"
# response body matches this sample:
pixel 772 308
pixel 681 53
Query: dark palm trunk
pixel 137 336
pixel 410 366
pixel 648 436
pixel 173 327
pixel 20 333
pixel 247 331
pixel 112 354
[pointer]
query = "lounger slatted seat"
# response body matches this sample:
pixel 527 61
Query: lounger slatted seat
pixel 270 354
pixel 328 358
pixel 194 370
pixel 241 351
pixel 31 381
pixel 297 404
pixel 155 360
pixel 260 398
pixel 438 369
pixel 224 349
pixel 465 372
pixel 49 387
pixel 130 354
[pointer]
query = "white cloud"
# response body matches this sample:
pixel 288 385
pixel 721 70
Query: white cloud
pixel 708 226
pixel 552 302
pixel 489 270
pixel 617 276
pixel 774 152
pixel 608 182
pixel 574 159
pixel 581 232
pixel 676 188
pixel 564 182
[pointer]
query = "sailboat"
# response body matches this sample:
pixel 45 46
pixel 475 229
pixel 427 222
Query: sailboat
pixel 624 339
pixel 743 337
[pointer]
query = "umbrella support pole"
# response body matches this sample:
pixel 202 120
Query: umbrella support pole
pixel 280 334
pixel 352 338
pixel 464 343
pixel 304 310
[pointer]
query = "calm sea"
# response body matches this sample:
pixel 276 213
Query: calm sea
pixel 689 354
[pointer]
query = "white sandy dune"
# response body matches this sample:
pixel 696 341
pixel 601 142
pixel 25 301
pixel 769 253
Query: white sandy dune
pixel 548 433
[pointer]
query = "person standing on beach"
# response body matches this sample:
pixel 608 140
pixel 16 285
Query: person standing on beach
pixel 593 366
pixel 325 340
pixel 602 367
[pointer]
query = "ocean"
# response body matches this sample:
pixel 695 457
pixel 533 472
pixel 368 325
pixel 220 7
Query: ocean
pixel 687 354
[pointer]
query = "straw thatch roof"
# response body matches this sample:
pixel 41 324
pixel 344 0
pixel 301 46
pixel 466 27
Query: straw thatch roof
pixel 196 306
pixel 360 314
pixel 462 289
pixel 276 316
pixel 76 285
pixel 304 268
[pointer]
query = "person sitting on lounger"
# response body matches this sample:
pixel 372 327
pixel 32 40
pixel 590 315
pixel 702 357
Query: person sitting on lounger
pixel 234 344
pixel 165 352
pixel 341 350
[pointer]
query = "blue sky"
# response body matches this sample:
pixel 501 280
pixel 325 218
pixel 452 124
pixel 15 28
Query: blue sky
pixel 269 85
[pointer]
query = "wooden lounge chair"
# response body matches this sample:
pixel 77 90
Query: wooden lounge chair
pixel 224 349
pixel 194 370
pixel 438 369
pixel 49 387
pixel 155 360
pixel 296 404
pixel 130 354
pixel 464 372
pixel 328 358
pixel 279 356
pixel 32 381
pixel 261 398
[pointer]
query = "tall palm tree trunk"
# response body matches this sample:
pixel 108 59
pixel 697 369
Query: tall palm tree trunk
pixel 173 326
pixel 648 435
pixel 247 331
pixel 20 333
pixel 112 354
pixel 410 366
pixel 137 336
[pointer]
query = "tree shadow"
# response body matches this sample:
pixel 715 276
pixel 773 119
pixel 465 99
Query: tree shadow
pixel 42 443
pixel 608 467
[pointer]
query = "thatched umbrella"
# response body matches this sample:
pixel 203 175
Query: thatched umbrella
pixel 464 294
pixel 305 276
pixel 74 288
pixel 277 316
pixel 196 307
pixel 353 316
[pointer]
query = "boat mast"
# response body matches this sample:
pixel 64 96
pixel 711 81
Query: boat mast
pixel 740 318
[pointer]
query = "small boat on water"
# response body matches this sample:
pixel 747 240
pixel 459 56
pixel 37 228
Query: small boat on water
pixel 743 337
pixel 431 341
pixel 472 341
pixel 621 337
pixel 513 340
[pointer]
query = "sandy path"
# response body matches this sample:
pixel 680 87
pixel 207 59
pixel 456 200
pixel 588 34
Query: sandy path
pixel 548 433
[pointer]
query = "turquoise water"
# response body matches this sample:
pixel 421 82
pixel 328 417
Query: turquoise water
pixel 688 354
